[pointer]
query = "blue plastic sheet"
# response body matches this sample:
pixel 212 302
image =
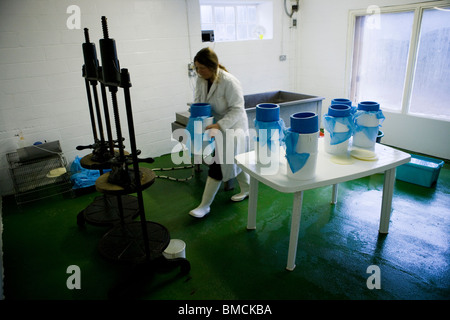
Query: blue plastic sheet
pixel 295 160
pixel 269 126
pixel 81 177
pixel 379 114
pixel 370 132
pixel 338 137
pixel 197 139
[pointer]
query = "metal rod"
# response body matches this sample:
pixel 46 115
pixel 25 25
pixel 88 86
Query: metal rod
pixel 120 207
pixel 107 118
pixel 125 84
pixel 91 110
pixel 97 109
pixel 113 91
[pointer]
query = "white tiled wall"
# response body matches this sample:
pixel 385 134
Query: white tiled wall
pixel 42 91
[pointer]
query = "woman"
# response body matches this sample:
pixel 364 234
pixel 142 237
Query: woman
pixel 224 93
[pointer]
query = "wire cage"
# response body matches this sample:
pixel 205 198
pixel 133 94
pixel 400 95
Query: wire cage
pixel 38 178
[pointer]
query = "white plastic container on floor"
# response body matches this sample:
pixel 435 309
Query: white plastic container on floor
pixel 175 249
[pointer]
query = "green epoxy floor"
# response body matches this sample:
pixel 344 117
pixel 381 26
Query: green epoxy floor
pixel 337 243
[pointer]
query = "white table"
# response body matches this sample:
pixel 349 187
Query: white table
pixel 327 173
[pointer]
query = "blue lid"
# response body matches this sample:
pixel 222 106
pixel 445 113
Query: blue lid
pixel 200 110
pixel 347 102
pixel 339 110
pixel 267 112
pixel 304 122
pixel 369 106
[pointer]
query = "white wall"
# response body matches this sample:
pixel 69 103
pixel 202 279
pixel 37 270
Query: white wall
pixel 42 91
pixel 323 26
pixel 2 297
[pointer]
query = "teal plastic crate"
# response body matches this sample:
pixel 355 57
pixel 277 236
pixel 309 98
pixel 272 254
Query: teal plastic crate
pixel 421 170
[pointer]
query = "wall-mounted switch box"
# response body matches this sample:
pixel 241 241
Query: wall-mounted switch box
pixel 191 69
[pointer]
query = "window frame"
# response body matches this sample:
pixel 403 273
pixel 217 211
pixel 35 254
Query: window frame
pixel 418 9
pixel 235 4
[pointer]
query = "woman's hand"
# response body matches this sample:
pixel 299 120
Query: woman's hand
pixel 213 129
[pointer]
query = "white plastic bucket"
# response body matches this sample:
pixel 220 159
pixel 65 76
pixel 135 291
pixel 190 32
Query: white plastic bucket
pixel 336 149
pixel 175 249
pixel 307 172
pixel 340 148
pixel 361 140
pixel 337 111
pixel 307 143
pixel 367 120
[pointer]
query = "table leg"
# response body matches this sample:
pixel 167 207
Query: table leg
pixel 295 228
pixel 252 204
pixel 334 194
pixel 386 204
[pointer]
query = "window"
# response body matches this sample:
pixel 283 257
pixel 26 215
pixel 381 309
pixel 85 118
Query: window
pixel 237 20
pixel 382 57
pixel 431 89
pixel 402 60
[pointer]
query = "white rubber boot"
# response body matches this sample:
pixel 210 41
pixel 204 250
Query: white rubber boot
pixel 211 188
pixel 244 183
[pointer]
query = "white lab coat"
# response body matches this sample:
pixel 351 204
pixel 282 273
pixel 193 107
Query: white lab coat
pixel 227 105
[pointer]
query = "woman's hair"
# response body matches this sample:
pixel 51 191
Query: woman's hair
pixel 209 59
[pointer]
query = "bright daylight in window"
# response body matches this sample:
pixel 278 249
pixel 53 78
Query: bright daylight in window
pixel 381 57
pixel 380 62
pixel 237 20
pixel 431 89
